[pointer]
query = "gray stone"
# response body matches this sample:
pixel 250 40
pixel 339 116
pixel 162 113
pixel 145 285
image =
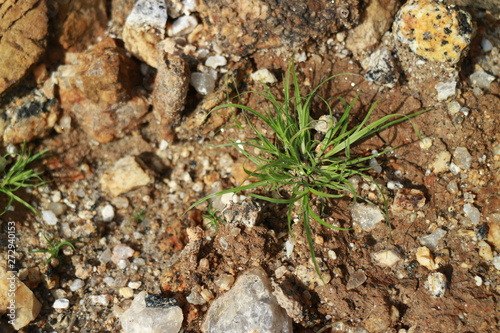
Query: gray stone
pixel 381 68
pixel 462 158
pixel 366 216
pixel 248 307
pixel 149 315
pixel 246 212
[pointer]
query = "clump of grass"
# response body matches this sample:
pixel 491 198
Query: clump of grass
pixel 140 215
pixel 213 217
pixel 18 175
pixel 54 248
pixel 298 163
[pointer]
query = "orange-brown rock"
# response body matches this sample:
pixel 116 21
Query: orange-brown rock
pixel 101 90
pixel 23 32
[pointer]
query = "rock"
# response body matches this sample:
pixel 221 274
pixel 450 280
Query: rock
pixel 472 213
pixel 446 90
pixel 22 309
pixel 431 241
pixel 491 5
pixel 32 116
pixel 249 306
pixel 49 217
pixel 124 176
pixel 264 75
pixel 494 235
pixel 409 200
pixel 436 284
pixel 107 213
pixel 289 300
pixel 462 158
pixel 485 251
pixel 365 216
pixel 145 28
pixel 434 30
pixel 275 25
pixel 245 212
pixel 216 61
pixel 481 79
pixel 441 162
pixel 309 277
pixel 100 90
pixel 356 279
pixel 381 68
pixel 23 34
pixel 387 258
pixel 375 21
pixel 183 26
pixel 76 285
pixel 425 258
pixel 78 24
pixel 61 304
pixel 169 93
pixel 120 252
pixel 204 83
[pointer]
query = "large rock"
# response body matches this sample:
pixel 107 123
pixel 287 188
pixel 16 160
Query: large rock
pixel 242 27
pixel 23 32
pixel 15 294
pixel 248 307
pixel 152 314
pixel 101 91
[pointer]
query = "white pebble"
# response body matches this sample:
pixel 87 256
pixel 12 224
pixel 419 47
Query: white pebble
pixel 100 299
pixel 77 284
pixel 445 90
pixel 203 83
pixel 108 213
pixel 135 284
pixel 479 281
pixel 215 61
pixel 182 26
pixel 61 303
pixel 49 217
pixel 496 262
pixel 264 76
pixel 472 213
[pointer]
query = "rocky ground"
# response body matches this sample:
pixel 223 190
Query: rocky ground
pixel 121 94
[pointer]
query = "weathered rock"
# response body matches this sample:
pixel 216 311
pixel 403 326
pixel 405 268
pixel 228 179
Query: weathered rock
pixel 387 258
pixel 23 33
pixel 365 216
pixel 381 68
pixel 436 284
pixel 425 258
pixel 170 91
pixel 248 307
pixel 375 21
pixel 356 279
pixel 32 116
pixel 245 212
pixel 434 30
pixel 79 23
pixel 144 29
pixel 100 90
pixel 124 176
pixel 151 314
pixel 408 199
pixel 275 24
pixel 25 307
pixel 309 277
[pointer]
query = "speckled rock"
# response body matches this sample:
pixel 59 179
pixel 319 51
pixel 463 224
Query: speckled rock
pixel 170 91
pixel 32 116
pixel 101 91
pixel 242 27
pixel 144 29
pixel 434 30
pixel 23 33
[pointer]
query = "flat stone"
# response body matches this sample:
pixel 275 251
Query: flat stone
pixel 27 306
pixel 248 307
pixel 462 158
pixel 356 279
pixel 387 258
pixel 100 90
pixel 23 34
pixel 124 176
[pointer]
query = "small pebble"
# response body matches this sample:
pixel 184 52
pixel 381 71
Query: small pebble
pixel 356 279
pixel 387 258
pixel 436 284
pixel 472 213
pixel 61 303
pixel 485 251
pixel 135 284
pixel 431 241
pixel 215 61
pixel 126 292
pixel 77 284
pixel 108 213
pixel 479 281
pixel 264 75
pixel 425 258
pixel 496 262
pixel 203 83
pixel 366 216
pixel 183 25
pixel 49 217
pixel 100 299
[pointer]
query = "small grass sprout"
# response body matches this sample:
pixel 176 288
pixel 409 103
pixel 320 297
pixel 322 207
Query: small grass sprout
pixel 18 175
pixel 140 215
pixel 298 162
pixel 54 248
pixel 213 217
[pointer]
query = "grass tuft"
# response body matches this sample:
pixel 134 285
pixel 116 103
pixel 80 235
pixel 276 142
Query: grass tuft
pixel 298 162
pixel 18 175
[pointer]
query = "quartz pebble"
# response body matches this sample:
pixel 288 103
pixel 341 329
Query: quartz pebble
pixel 366 216
pixel 49 217
pixel 462 158
pixel 61 303
pixel 472 213
pixel 446 90
pixel 124 176
pixel 148 14
pixel 356 279
pixel 264 75
pixel 121 252
pixel 436 284
pixel 203 83
pixel 431 241
pixel 249 306
pixel 381 68
pixel 215 61
pixel 387 258
pixel 147 315
pixel 107 213
pixel 481 79
pixel 183 26
pixel 76 284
